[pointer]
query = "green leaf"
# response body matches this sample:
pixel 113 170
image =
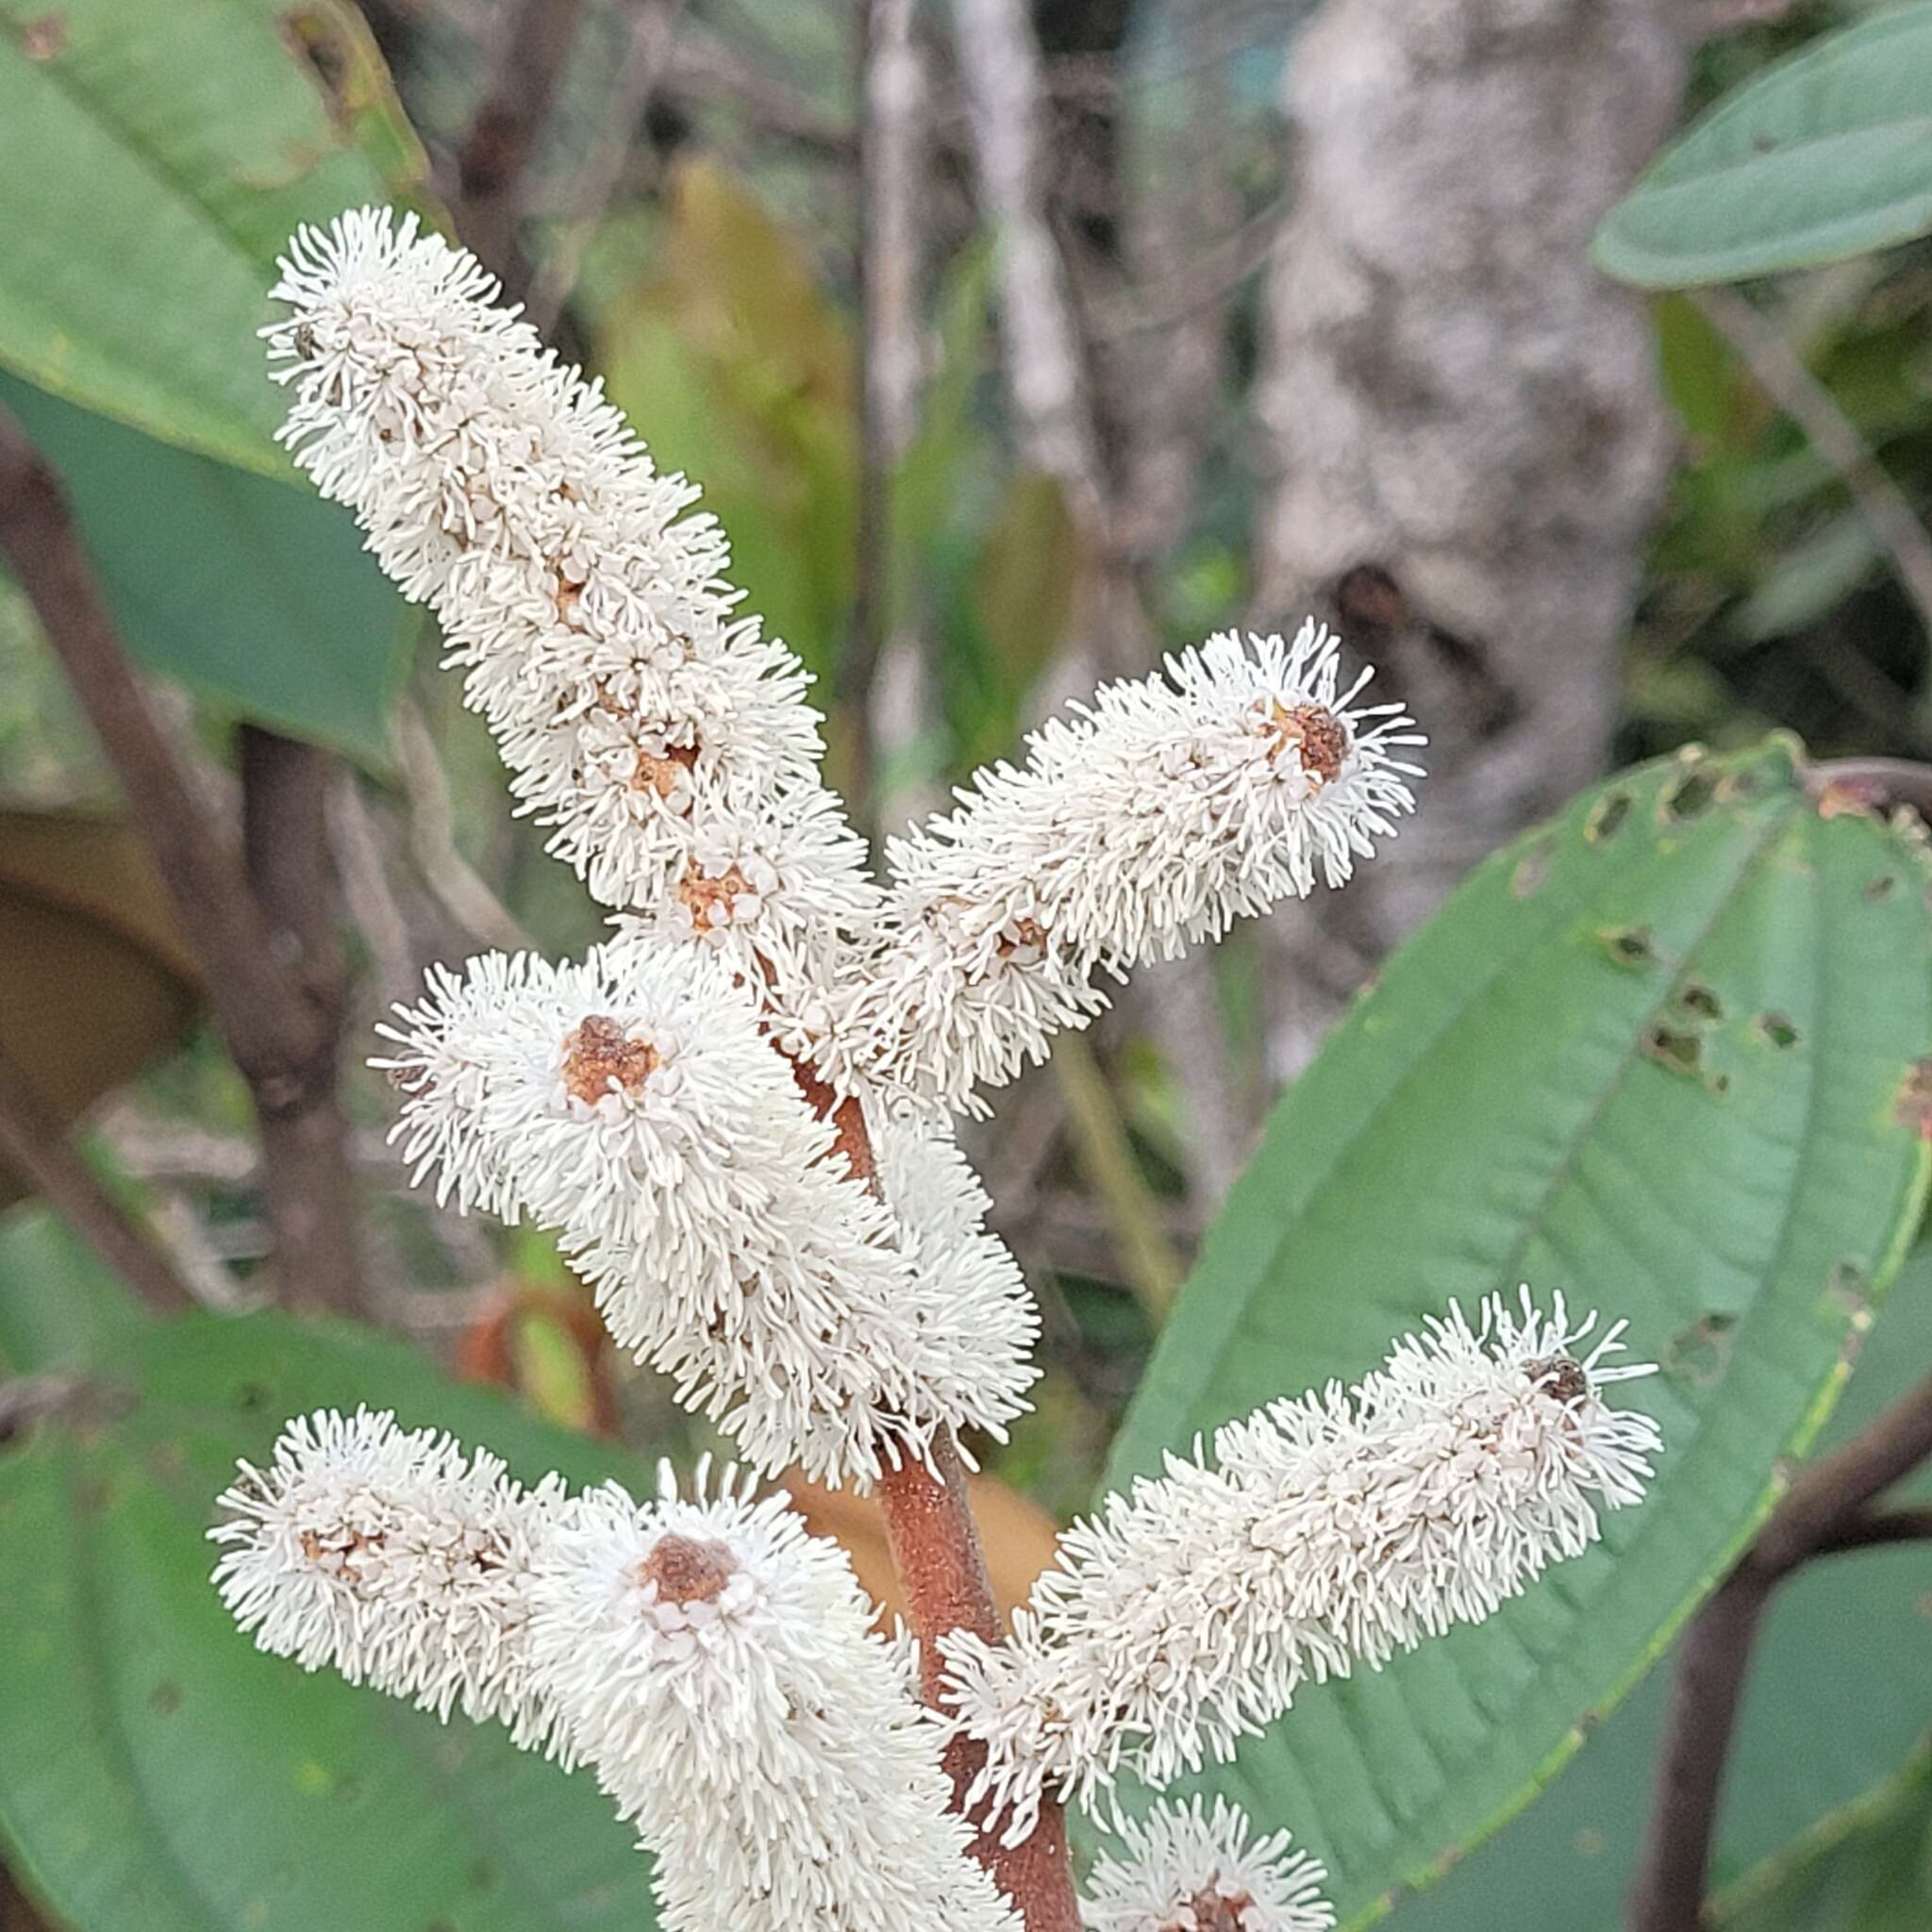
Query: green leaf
pixel 60 1307
pixel 154 157
pixel 1825 1718
pixel 257 595
pixel 158 1774
pixel 1529 1095
pixel 1874 1877
pixel 1824 155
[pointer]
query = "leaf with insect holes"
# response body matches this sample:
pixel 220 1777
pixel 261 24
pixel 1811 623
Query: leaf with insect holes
pixel 1706 1123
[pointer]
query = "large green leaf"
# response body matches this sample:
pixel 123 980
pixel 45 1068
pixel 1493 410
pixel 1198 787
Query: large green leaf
pixel 259 596
pixel 155 155
pixel 1836 1702
pixel 1827 153
pixel 158 1774
pixel 1659 1055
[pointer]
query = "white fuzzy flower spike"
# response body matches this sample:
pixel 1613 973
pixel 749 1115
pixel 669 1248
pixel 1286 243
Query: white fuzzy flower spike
pixel 634 1105
pixel 717 1665
pixel 1331 1529
pixel 1141 823
pixel 1186 1869
pixel 643 719
pixel 395 1559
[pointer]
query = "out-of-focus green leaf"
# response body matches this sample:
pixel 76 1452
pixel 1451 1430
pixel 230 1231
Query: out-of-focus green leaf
pixel 1655 1055
pixel 1835 1701
pixel 60 1307
pixel 158 1774
pixel 1874 1876
pixel 732 363
pixel 1810 579
pixel 1024 587
pixel 154 157
pixel 1824 155
pixel 1698 368
pixel 256 594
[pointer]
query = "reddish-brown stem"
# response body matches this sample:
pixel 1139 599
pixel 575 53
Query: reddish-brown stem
pixel 941 1565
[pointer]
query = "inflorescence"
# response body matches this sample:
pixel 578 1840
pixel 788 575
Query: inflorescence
pixel 670 1106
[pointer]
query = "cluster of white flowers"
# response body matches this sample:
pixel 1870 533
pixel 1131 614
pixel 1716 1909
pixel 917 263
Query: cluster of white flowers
pixel 666 742
pixel 1142 823
pixel 633 1104
pixel 714 1664
pixel 1330 1529
pixel 1186 1868
pixel 736 1116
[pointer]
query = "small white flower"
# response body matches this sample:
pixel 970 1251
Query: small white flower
pixel 1332 1528
pixel 395 1559
pixel 1141 823
pixel 1186 1869
pixel 717 1667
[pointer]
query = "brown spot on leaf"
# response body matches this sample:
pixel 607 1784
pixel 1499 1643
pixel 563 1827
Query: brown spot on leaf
pixel 164 1700
pixel 1914 1108
pixel 1689 798
pixel 1533 867
pixel 317 40
pixel 45 37
pixel 1698 999
pixel 1628 945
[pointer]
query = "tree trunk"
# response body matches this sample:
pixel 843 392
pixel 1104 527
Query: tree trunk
pixel 1461 417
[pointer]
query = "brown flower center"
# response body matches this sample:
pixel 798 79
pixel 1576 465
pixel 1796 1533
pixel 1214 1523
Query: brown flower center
pixel 658 772
pixel 1211 1910
pixel 600 1051
pixel 709 898
pixel 686 1571
pixel 1561 1377
pixel 1319 737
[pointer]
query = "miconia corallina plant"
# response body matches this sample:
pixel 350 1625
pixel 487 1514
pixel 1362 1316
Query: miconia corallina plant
pixel 736 1116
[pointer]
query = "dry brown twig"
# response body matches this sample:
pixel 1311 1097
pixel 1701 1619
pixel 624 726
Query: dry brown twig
pixel 257 910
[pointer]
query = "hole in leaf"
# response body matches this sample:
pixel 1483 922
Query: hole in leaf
pixel 1699 999
pixel 1689 798
pixel 1700 1352
pixel 1607 817
pixel 1628 945
pixel 1880 887
pixel 1778 1030
pixel 1680 1052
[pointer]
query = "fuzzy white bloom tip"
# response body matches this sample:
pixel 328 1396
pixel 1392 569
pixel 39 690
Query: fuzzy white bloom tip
pixel 1327 1530
pixel 394 1558
pixel 1184 1868
pixel 1145 820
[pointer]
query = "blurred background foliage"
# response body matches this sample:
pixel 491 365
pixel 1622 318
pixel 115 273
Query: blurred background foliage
pixel 688 227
